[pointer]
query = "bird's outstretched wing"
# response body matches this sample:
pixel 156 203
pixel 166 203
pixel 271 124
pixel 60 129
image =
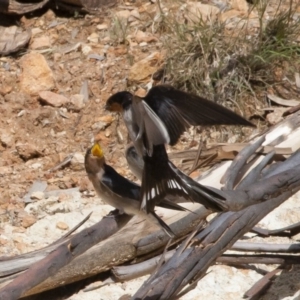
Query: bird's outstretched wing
pixel 119 185
pixel 178 110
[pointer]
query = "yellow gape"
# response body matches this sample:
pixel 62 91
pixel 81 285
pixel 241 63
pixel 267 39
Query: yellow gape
pixel 97 150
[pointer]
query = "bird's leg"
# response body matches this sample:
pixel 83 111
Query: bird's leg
pixel 113 213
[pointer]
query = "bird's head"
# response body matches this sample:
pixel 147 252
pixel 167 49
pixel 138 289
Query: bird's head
pixel 119 101
pixel 94 159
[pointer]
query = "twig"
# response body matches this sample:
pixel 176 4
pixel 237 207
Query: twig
pixel 261 285
pixel 232 172
pixel 264 247
pixel 195 163
pixel 267 259
pixel 73 229
pixel 62 164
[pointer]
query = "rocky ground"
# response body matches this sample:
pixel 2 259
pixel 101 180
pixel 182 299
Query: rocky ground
pixel 52 98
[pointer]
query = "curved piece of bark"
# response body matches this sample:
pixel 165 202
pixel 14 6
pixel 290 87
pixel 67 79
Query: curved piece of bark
pixel 285 231
pixel 264 190
pixel 12 39
pixel 255 172
pixel 61 256
pixel 232 173
pixel 19 8
pixel 261 285
pixel 288 164
pixel 124 273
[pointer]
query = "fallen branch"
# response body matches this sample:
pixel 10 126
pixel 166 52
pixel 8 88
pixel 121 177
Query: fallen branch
pixel 125 273
pixel 264 247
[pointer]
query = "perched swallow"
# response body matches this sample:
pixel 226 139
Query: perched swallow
pixel 160 118
pixel 118 191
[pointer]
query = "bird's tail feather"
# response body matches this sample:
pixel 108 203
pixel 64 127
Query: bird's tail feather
pixel 166 203
pixel 156 219
pixel 159 180
pixel 211 198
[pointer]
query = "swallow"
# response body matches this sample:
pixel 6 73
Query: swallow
pixel 158 119
pixel 118 191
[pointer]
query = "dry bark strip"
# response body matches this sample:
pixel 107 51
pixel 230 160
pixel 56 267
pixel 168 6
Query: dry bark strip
pixel 285 231
pixel 261 285
pixel 20 8
pixel 16 7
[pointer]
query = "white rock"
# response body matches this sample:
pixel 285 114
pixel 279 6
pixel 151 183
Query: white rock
pixel 59 207
pixel 123 14
pixel 39 207
pixel 76 102
pixel 35 31
pixel 102 26
pixel 7 139
pixel 36 166
pixel 86 49
pixel 77 158
pixel 77 162
pixel 93 38
pixel 38 195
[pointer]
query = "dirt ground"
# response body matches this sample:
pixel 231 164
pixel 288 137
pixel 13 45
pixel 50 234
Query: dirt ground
pixel 85 58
